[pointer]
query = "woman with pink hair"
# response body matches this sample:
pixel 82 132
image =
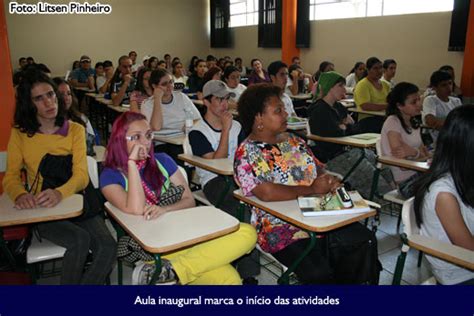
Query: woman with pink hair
pixel 140 182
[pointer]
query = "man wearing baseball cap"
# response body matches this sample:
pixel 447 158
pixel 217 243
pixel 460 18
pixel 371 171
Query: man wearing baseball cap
pixel 217 135
pixel 83 77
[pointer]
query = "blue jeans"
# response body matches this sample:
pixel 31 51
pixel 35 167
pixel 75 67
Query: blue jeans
pixel 78 238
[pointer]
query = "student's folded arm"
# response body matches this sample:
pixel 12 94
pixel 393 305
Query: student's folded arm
pixel 434 122
pixel 268 192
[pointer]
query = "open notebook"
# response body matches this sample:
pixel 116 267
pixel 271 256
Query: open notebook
pixel 311 205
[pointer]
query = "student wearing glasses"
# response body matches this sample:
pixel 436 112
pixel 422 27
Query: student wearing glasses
pixel 166 108
pixel 40 128
pixel 137 180
pixel 232 79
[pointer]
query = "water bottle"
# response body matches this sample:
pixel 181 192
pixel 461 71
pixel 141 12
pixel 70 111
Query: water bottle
pixel 189 122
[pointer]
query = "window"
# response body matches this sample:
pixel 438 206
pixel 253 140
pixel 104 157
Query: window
pixel 343 9
pixel 243 12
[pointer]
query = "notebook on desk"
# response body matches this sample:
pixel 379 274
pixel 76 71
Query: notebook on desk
pixel 312 206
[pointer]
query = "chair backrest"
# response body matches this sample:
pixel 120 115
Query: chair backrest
pixel 93 172
pixel 378 151
pixel 185 175
pixel 408 218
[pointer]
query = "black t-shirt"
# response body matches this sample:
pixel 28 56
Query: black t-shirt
pixel 324 120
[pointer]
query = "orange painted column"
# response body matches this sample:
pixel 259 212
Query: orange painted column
pixel 467 78
pixel 288 32
pixel 7 93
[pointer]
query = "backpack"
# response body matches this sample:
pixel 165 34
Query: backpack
pixel 352 253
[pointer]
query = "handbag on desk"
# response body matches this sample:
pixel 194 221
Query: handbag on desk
pixel 56 170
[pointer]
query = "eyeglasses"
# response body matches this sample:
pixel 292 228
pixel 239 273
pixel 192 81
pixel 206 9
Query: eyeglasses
pixel 140 136
pixel 167 83
pixel 43 97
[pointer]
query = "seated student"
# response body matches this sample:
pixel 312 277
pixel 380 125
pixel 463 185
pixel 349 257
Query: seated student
pixel 401 136
pixel 444 200
pixel 214 73
pixel 296 61
pixel 389 71
pixel 83 77
pixel 99 77
pixel 457 92
pixel 329 118
pixel 137 181
pixel 232 79
pixel 370 94
pixel 167 60
pixel 437 107
pixel 323 67
pixel 162 64
pixel 258 74
pixel 276 166
pixel 74 114
pixel 167 109
pixel 142 91
pixel 153 63
pixel 196 80
pixel 356 74
pixel 123 83
pixel 133 57
pixel 109 74
pixel 217 135
pixel 278 72
pixel 40 128
pixel 239 65
pixel 211 61
pixel 179 73
pixel 298 81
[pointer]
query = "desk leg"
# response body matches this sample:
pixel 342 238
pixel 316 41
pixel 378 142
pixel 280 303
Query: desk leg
pixel 285 278
pixel 6 251
pixel 362 156
pixel 157 269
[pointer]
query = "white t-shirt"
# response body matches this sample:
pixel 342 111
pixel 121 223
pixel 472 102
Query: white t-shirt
pixel 392 124
pixel 285 98
pixel 390 82
pixel 174 115
pixel 182 79
pixel 432 105
pixel 100 81
pixel 214 137
pixel 350 83
pixel 238 91
pixel 444 272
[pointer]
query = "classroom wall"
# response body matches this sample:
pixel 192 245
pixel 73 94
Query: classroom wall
pixel 418 42
pixel 155 27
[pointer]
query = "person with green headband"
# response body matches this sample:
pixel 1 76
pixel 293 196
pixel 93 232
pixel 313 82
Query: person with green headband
pixel 329 118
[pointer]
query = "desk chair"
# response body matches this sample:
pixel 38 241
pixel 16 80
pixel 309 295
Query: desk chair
pixel 197 194
pixel 42 250
pixel 433 247
pixel 393 196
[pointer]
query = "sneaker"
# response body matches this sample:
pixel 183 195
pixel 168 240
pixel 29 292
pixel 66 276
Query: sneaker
pixel 143 273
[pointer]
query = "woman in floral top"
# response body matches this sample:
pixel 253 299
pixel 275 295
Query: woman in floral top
pixel 276 166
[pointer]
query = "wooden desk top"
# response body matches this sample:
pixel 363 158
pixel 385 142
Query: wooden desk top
pixel 301 96
pixel 177 229
pixel 67 208
pixel 120 109
pixel 360 140
pixel 104 101
pixel 99 153
pixel 174 140
pixel 404 163
pixel 224 166
pixel 373 113
pixel 290 212
pixel 84 89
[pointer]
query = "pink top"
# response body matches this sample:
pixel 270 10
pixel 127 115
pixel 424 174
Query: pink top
pixel 392 124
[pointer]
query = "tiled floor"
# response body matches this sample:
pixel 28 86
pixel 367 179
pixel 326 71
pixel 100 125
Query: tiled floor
pixel 389 245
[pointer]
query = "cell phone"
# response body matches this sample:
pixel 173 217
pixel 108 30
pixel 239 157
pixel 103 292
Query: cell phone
pixel 344 198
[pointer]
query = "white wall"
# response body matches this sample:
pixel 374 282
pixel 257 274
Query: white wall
pixel 156 27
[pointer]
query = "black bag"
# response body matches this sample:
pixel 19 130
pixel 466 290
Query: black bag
pixel 353 255
pixel 56 170
pixel 406 188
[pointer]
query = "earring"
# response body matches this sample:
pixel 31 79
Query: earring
pixel 260 127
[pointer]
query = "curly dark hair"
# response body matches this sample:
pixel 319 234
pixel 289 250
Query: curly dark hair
pixel 25 111
pixel 253 101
